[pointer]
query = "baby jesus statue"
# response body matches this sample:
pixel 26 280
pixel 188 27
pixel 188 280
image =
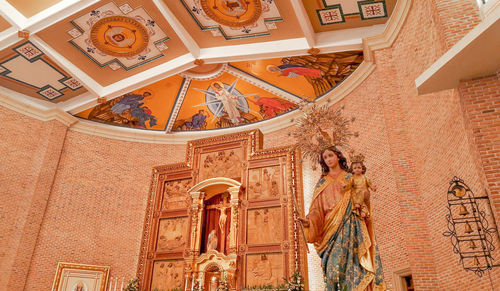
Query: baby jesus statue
pixel 360 187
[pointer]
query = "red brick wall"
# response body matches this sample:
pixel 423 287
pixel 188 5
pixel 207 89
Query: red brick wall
pixel 30 155
pixel 96 210
pixel 481 101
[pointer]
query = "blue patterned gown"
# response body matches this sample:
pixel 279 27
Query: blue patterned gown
pixel 344 241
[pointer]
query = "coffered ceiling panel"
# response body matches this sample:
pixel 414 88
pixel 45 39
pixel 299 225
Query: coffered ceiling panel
pixel 4 24
pixel 27 69
pixel 31 7
pixel 112 40
pixel 218 23
pixel 326 15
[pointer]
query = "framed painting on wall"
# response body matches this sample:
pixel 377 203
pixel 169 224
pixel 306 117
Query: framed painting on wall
pixel 80 277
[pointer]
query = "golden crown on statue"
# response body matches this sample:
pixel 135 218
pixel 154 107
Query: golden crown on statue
pixel 357 158
pixel 321 127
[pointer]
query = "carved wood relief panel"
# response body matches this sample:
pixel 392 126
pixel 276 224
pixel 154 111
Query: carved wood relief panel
pixel 265 226
pixel 172 234
pixel 175 194
pixel 167 274
pixel 265 269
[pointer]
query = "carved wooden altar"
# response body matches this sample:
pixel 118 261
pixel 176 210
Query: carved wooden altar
pixel 226 213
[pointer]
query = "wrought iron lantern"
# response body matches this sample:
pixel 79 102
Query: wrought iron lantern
pixel 468 228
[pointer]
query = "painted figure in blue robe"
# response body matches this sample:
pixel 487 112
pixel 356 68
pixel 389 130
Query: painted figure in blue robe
pixel 198 120
pixel 129 102
pixel 132 102
pixel 344 241
pixel 143 114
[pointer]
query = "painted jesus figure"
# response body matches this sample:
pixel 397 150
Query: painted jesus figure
pixel 229 102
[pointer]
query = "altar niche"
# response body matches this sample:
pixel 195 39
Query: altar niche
pixel 226 214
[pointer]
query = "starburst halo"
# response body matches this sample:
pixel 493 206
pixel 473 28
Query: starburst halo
pixel 320 127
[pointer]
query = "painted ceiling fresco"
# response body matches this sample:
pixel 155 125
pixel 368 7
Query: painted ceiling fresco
pixel 228 94
pixel 27 69
pixel 223 22
pixel 341 14
pixel 113 40
pixel 118 36
pixel 234 19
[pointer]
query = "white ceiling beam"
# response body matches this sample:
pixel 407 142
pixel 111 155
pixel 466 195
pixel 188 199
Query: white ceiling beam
pixel 14 17
pixel 346 39
pixel 39 21
pixel 306 26
pixel 69 67
pixel 175 66
pixel 183 34
pixel 8 37
pixel 253 51
pixel 263 85
pixel 54 14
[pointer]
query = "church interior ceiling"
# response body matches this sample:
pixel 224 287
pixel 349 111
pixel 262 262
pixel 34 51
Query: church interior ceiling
pixel 185 65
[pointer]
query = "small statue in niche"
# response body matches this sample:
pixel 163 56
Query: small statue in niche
pixel 361 186
pixel 212 241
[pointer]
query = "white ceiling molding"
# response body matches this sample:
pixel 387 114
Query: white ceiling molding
pixel 89 83
pixel 263 85
pixel 392 28
pixel 185 37
pixel 178 104
pixel 306 26
pixel 79 103
pixel 15 101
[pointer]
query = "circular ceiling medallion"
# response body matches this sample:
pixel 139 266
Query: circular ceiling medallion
pixel 233 13
pixel 205 71
pixel 119 36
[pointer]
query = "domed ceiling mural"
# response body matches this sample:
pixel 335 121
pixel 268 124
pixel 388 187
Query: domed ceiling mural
pixel 179 66
pixel 227 94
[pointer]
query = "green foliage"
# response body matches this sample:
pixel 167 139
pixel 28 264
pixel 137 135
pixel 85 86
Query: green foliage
pixel 133 285
pixel 294 283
